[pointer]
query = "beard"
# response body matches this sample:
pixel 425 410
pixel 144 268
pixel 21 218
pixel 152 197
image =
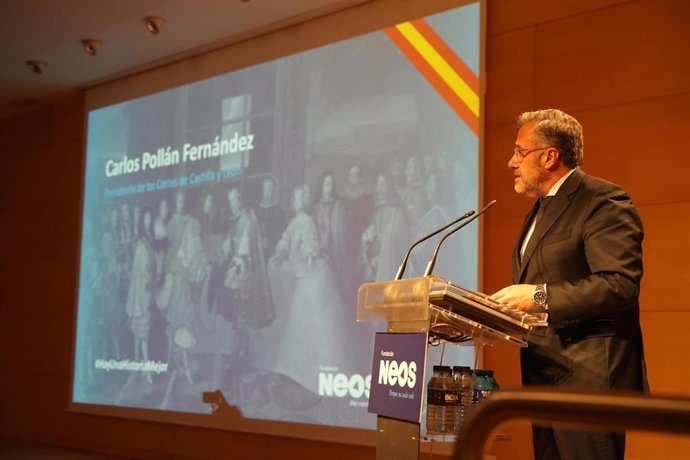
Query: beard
pixel 532 186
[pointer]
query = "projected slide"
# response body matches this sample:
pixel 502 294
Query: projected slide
pixel 227 224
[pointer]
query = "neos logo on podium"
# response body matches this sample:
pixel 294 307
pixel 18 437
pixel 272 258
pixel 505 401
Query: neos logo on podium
pixel 398 390
pixel 391 372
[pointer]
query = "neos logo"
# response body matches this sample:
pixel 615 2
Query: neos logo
pixel 392 373
pixel 341 386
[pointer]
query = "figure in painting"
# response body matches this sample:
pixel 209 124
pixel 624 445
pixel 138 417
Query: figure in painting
pixel 246 285
pixel 308 313
pixel 141 288
pixel 384 241
pixel 329 214
pixel 270 217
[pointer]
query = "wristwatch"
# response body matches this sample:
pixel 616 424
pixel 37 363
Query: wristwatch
pixel 539 296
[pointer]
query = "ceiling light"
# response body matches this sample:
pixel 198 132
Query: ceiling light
pixel 36 67
pixel 91 46
pixel 153 24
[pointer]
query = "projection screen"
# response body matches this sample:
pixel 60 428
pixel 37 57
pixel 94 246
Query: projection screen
pixel 228 223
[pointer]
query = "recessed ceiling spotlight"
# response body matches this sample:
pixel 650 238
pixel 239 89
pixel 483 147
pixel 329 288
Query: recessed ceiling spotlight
pixel 37 67
pixel 91 46
pixel 153 24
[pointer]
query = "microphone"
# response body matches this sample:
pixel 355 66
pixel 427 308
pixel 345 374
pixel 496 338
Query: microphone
pixel 432 261
pixel 403 264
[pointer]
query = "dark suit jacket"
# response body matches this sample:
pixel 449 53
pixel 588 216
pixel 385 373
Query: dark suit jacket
pixel 588 250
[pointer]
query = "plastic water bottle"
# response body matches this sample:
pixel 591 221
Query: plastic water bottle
pixel 462 376
pixel 441 402
pixel 431 397
pixel 482 386
pixel 492 381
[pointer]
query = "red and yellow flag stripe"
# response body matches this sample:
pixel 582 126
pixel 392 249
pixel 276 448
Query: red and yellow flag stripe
pixel 441 66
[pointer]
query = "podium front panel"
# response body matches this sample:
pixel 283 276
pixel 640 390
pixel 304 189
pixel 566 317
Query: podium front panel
pixel 400 300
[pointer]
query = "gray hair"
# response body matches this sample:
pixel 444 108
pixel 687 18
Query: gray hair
pixel 560 130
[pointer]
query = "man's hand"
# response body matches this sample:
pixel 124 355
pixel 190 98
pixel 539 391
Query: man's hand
pixel 519 296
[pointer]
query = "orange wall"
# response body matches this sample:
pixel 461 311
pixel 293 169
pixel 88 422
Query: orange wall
pixel 621 67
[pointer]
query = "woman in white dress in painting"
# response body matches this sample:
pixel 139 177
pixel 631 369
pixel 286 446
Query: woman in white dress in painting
pixel 312 325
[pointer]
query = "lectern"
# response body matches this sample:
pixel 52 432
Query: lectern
pixel 444 311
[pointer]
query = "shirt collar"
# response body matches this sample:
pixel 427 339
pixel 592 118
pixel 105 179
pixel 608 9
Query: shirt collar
pixel 558 184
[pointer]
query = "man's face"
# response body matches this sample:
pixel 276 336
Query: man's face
pixel 353 177
pixel 179 202
pixel 410 171
pixel 163 209
pixel 208 203
pixel 267 191
pixel 529 174
pixel 147 221
pixel 298 200
pixel 124 211
pixel 234 201
pixel 327 189
pixel 381 188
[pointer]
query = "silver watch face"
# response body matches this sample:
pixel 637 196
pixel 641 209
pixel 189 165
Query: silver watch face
pixel 540 297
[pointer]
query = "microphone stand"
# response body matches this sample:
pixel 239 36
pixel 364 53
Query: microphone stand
pixel 432 261
pixel 403 264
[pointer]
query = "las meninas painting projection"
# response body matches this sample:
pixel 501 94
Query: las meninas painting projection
pixel 228 223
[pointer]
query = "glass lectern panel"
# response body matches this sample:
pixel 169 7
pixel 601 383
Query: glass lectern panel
pixel 454 313
pixel 400 300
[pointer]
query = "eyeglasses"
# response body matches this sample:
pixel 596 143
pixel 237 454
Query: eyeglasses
pixel 522 153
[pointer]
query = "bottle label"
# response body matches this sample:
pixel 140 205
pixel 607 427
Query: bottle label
pixel 442 397
pixel 479 395
pixel 450 398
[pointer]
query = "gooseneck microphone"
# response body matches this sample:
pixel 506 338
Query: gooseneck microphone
pixel 432 261
pixel 403 264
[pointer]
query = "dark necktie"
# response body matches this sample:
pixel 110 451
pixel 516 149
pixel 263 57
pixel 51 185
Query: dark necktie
pixel 543 203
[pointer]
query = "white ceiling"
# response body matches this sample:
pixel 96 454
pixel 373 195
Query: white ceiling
pixel 52 30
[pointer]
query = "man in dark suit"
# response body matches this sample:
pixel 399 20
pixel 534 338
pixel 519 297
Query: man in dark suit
pixel 579 259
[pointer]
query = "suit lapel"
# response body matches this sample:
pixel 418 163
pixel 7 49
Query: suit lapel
pixel 557 206
pixel 516 251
